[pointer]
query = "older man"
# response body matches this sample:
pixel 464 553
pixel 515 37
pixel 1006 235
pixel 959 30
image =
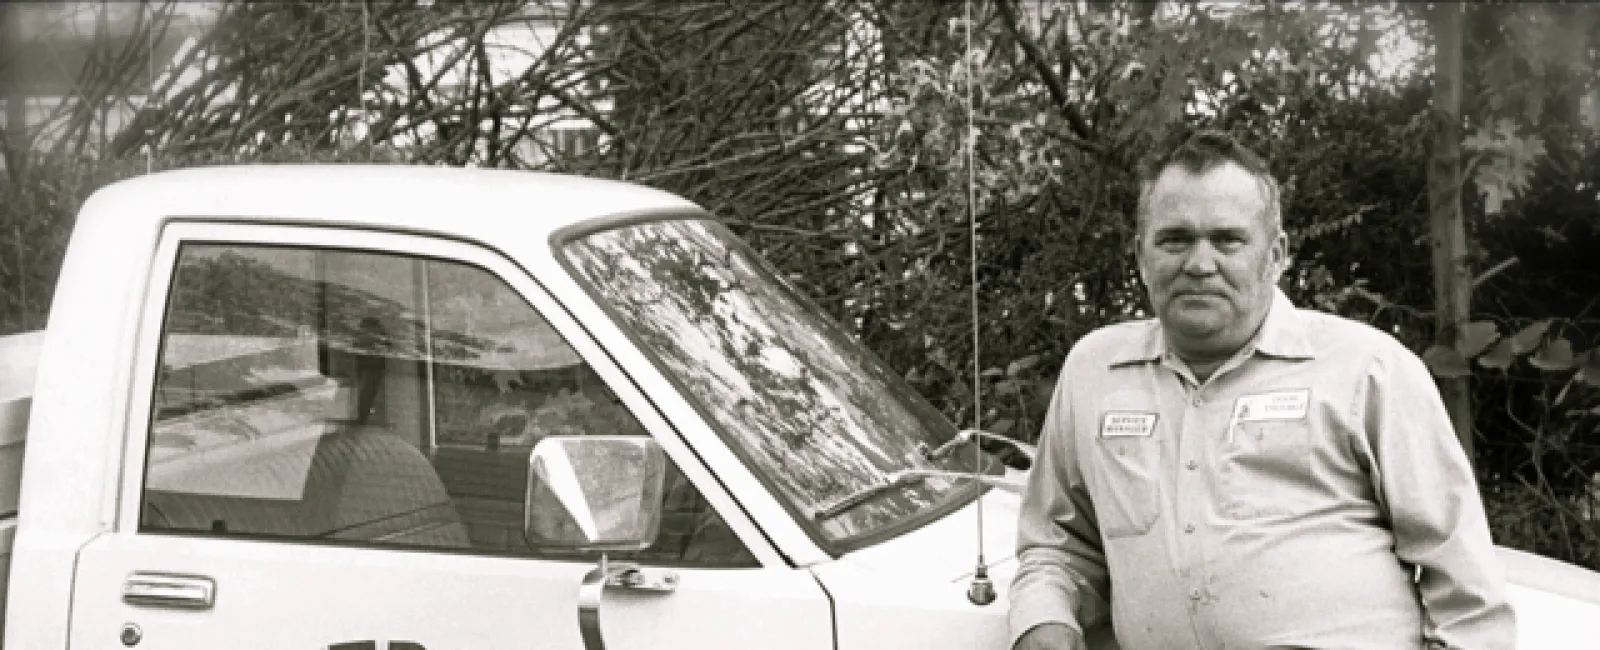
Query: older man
pixel 1239 473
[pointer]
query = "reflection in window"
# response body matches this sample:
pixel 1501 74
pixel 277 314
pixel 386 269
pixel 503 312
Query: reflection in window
pixel 816 414
pixel 320 394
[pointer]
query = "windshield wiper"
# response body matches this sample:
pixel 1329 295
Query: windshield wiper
pixel 904 478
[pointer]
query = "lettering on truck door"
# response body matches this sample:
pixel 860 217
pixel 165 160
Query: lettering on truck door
pixel 329 449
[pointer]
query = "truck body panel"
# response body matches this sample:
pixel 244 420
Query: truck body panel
pixel 278 457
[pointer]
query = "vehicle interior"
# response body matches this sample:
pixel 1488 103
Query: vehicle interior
pixel 377 426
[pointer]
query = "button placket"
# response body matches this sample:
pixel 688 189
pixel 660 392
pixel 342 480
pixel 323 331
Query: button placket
pixel 1190 498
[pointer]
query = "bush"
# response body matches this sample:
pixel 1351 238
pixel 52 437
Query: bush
pixel 37 212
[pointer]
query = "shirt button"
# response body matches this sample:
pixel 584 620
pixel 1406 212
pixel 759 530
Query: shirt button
pixel 1189 528
pixel 1198 401
pixel 1194 594
pixel 1191 465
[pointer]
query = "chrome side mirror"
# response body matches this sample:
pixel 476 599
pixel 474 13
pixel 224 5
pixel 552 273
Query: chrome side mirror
pixel 594 493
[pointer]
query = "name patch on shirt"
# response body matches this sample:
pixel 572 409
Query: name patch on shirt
pixel 1127 424
pixel 1267 407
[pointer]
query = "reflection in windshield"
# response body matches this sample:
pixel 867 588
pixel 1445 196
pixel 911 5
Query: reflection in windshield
pixel 816 414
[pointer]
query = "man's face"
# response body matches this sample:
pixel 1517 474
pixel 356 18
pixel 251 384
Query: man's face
pixel 1209 258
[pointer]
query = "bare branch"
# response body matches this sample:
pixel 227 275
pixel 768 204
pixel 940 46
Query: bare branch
pixel 1052 81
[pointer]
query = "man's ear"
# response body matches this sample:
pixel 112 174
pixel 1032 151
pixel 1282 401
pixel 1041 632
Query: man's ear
pixel 1278 256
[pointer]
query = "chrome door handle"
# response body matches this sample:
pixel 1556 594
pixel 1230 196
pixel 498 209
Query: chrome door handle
pixel 152 589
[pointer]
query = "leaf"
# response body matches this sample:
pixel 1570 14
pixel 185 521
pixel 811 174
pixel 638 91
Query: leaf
pixel 1508 164
pixel 1556 355
pixel 1007 387
pixel 1589 111
pixel 1476 337
pixel 1527 340
pixel 1589 367
pixel 993 372
pixel 1498 358
pixel 1446 362
pixel 1002 427
pixel 1023 365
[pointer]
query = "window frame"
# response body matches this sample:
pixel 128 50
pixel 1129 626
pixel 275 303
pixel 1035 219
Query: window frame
pixel 176 232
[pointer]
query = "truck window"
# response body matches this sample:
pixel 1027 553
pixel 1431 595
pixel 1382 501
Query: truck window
pixel 374 399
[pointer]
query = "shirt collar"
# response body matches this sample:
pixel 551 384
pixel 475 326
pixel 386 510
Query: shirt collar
pixel 1282 335
pixel 1147 347
pixel 1284 332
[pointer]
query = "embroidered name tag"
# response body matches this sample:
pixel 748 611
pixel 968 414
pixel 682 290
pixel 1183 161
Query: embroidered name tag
pixel 1282 405
pixel 1127 424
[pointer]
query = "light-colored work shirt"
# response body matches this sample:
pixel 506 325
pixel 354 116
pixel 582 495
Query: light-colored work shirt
pixel 1311 493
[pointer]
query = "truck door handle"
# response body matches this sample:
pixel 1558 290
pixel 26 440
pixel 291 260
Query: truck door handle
pixel 174 590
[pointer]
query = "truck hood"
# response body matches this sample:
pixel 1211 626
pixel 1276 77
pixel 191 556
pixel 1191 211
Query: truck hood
pixel 947 549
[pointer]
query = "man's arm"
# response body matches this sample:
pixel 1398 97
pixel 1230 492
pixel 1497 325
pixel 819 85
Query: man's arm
pixel 1426 484
pixel 1061 577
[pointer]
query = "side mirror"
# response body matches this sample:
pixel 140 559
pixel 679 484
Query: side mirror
pixel 594 493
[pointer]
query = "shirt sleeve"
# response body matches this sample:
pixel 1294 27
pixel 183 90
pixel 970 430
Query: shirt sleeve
pixel 1061 575
pixel 1425 482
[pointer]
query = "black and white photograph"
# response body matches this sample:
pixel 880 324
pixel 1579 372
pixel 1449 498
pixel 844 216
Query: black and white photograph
pixel 799 325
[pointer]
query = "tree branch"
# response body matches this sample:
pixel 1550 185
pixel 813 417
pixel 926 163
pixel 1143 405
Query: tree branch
pixel 1052 81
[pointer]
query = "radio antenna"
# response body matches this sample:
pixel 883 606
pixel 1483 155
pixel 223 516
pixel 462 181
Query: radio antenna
pixel 981 591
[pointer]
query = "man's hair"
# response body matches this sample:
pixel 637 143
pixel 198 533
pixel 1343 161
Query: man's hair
pixel 1201 152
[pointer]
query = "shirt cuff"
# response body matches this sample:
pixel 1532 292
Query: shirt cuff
pixel 1038 608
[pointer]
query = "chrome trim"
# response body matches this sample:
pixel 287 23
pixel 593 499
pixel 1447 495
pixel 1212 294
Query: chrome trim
pixel 172 590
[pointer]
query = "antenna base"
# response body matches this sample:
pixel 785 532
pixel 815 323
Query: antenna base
pixel 981 591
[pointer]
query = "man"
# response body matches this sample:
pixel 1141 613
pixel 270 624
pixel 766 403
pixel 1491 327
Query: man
pixel 1238 473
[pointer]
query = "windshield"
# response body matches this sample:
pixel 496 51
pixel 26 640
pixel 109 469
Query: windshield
pixel 816 415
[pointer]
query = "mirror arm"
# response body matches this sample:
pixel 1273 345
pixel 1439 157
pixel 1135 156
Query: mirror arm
pixel 590 593
pixel 1000 482
pixel 965 436
pixel 619 575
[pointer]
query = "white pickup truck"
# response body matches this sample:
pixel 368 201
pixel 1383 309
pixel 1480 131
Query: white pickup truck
pixel 355 407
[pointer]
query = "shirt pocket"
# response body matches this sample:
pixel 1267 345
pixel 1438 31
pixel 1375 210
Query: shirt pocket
pixel 1260 459
pixel 1128 502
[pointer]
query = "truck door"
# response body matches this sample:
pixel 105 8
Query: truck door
pixel 328 448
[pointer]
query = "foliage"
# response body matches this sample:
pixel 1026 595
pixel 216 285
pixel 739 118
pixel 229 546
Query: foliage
pixel 36 216
pixel 835 137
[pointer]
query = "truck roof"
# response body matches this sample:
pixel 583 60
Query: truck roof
pixel 515 210
pixel 482 204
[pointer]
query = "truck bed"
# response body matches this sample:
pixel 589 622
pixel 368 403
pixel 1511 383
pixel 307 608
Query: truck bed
pixel 19 355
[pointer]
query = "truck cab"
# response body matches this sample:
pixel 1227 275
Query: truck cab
pixel 297 405
pixel 356 407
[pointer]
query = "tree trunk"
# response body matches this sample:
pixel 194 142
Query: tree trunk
pixel 1452 280
pixel 16 99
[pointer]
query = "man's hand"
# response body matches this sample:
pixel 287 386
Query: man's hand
pixel 1051 636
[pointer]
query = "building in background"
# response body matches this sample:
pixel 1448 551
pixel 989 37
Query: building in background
pixel 52 54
